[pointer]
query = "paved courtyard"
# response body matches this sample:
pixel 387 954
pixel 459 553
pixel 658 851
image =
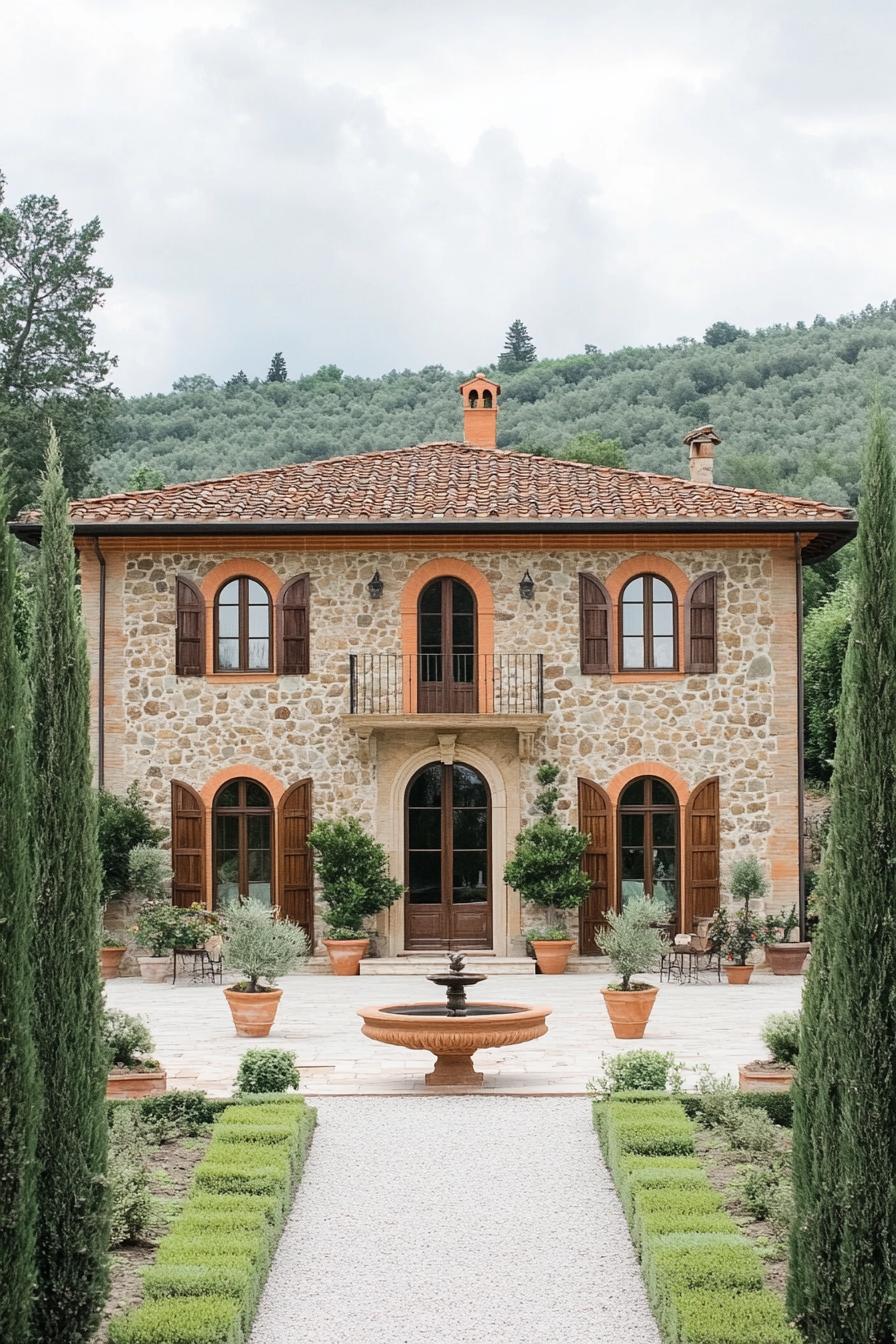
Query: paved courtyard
pixel 709 1023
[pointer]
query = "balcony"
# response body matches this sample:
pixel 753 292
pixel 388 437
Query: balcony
pixel 446 693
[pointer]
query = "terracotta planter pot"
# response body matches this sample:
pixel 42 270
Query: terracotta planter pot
pixel 737 975
pixel 787 958
pixel 552 955
pixel 133 1083
pixel 154 969
pixel 761 1077
pixel 110 961
pixel 346 954
pixel 628 1010
pixel 253 1014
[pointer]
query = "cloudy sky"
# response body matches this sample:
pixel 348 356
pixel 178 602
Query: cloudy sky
pixel 385 184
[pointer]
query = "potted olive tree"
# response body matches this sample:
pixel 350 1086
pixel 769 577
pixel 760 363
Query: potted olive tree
pixel 546 870
pixel 784 957
pixel 262 948
pixel 634 943
pixel 355 885
pixel 737 935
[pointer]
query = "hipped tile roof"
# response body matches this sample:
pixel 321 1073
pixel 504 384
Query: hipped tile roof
pixel 451 481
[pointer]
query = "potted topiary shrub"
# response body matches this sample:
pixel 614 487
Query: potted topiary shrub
pixel 784 957
pixel 781 1036
pixel 738 935
pixel 546 870
pixel 355 885
pixel 262 948
pixel 634 944
pixel 112 949
pixel 132 1070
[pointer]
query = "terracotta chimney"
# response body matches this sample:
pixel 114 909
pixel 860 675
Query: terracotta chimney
pixel 480 398
pixel 702 444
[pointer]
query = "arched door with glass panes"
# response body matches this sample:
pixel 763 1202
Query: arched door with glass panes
pixel 448 846
pixel 446 649
pixel 649 862
pixel 243 833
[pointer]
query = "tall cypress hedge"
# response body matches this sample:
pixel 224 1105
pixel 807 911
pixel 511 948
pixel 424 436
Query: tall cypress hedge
pixel 73 1221
pixel 843 1245
pixel 19 1094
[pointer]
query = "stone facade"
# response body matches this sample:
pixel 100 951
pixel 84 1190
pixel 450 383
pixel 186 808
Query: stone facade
pixel 739 724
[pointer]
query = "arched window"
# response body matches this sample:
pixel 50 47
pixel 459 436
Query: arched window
pixel 647 627
pixel 486 400
pixel 648 844
pixel 243 824
pixel 243 627
pixel 473 399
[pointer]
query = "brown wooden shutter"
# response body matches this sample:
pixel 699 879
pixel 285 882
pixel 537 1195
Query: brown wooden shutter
pixel 190 634
pixel 702 894
pixel 594 624
pixel 296 872
pixel 292 612
pixel 700 624
pixel 187 845
pixel 594 821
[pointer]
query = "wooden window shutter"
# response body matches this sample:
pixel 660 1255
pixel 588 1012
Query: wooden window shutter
pixel 187 845
pixel 190 629
pixel 700 624
pixel 702 827
pixel 594 821
pixel 594 625
pixel 292 613
pixel 295 868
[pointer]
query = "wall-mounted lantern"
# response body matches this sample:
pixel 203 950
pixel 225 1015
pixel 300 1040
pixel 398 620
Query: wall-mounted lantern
pixel 527 587
pixel 375 586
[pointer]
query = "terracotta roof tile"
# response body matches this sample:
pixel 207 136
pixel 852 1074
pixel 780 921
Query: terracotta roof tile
pixel 452 481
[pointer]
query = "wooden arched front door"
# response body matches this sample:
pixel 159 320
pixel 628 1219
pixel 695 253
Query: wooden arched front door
pixel 446 648
pixel 447 859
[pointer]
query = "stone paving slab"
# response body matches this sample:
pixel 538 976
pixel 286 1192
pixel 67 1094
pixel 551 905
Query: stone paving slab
pixel 470 1220
pixel 709 1023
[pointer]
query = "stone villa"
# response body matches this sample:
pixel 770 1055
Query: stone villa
pixel 402 636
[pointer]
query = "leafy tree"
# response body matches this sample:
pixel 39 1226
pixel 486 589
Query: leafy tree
pixel 354 875
pixel 825 640
pixel 589 447
pixel 72 1205
pixel 145 477
pixel 49 366
pixel 237 381
pixel 194 382
pixel 19 1093
pixel 519 348
pixel 843 1241
pixel 123 824
pixel 546 864
pixel 277 371
pixel 722 333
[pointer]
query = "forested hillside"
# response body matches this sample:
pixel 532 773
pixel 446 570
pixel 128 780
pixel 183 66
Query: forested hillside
pixel 791 404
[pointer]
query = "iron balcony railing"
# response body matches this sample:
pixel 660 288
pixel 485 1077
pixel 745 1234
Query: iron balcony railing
pixel 436 683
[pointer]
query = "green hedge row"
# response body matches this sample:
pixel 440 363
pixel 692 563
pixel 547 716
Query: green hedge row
pixel 777 1105
pixel 211 1266
pixel 703 1277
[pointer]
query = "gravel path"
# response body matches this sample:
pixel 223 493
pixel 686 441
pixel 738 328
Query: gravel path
pixel 468 1220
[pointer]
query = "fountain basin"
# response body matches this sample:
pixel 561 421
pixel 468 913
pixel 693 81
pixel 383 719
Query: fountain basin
pixel 454 1039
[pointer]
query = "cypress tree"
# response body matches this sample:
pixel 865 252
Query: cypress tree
pixel 843 1242
pixel 519 348
pixel 73 1220
pixel 19 1096
pixel 277 371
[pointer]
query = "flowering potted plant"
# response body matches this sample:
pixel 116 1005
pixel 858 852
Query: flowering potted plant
pixel 738 934
pixel 263 948
pixel 635 944
pixel 355 885
pixel 132 1070
pixel 546 869
pixel 783 956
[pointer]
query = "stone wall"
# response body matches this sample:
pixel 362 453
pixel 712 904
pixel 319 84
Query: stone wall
pixel 739 724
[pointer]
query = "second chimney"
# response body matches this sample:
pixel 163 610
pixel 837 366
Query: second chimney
pixel 480 398
pixel 702 445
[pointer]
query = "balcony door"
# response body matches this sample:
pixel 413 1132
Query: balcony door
pixel 448 847
pixel 446 632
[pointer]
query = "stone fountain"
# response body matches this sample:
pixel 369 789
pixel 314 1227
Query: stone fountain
pixel 454 1030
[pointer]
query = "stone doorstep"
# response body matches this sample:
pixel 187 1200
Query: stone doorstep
pixel 432 965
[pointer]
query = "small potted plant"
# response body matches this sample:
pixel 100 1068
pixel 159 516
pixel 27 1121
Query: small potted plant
pixel 738 934
pixel 784 957
pixel 112 949
pixel 156 930
pixel 262 948
pixel 634 943
pixel 546 869
pixel 355 885
pixel 781 1036
pixel 132 1070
